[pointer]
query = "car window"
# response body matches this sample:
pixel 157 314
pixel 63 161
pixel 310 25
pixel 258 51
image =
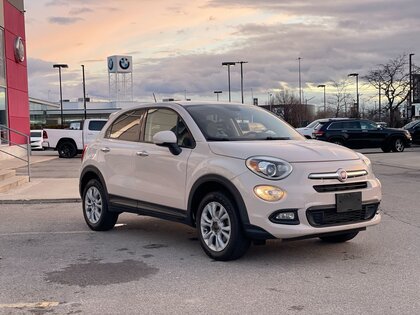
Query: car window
pixel 96 125
pixel 366 125
pixel 36 134
pixel 126 127
pixel 162 119
pixel 336 126
pixel 351 125
pixel 312 124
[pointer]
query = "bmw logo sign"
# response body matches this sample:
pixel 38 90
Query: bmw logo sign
pixel 110 64
pixel 124 63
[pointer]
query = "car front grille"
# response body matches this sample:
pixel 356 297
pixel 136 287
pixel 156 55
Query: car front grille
pixel 340 187
pixel 330 217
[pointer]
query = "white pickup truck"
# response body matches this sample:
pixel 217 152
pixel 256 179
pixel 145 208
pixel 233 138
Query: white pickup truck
pixel 69 142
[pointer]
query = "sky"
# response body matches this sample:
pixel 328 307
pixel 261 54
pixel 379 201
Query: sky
pixel 178 46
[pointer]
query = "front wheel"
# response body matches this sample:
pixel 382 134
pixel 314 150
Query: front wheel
pixel 339 238
pixel 95 207
pixel 219 228
pixel 398 145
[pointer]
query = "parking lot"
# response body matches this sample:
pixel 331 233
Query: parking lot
pixel 51 262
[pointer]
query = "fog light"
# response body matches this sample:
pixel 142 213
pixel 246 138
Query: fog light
pixel 268 193
pixel 286 216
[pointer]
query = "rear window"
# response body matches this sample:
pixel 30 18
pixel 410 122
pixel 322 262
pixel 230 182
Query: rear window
pixel 320 124
pixel 96 125
pixel 36 133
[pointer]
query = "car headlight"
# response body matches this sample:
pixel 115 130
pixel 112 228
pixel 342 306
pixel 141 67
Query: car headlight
pixel 365 159
pixel 269 167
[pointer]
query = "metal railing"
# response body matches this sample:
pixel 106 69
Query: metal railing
pixel 5 139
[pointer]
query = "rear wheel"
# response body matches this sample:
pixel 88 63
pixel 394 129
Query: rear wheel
pixel 219 228
pixel 398 145
pixel 95 207
pixel 339 238
pixel 67 150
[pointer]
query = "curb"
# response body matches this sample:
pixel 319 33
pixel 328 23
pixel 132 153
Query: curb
pixel 40 201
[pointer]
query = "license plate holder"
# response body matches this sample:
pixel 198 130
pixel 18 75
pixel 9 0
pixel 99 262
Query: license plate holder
pixel 348 202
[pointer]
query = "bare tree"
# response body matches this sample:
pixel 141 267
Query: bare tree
pixel 289 107
pixel 392 79
pixel 340 102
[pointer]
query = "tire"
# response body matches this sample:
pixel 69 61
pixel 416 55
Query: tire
pixel 339 238
pixel 386 148
pixel 219 228
pixel 95 207
pixel 67 150
pixel 397 145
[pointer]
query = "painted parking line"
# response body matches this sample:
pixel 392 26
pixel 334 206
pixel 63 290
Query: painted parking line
pixel 45 233
pixel 44 304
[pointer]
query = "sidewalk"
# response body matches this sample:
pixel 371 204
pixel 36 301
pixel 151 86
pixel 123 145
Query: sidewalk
pixel 45 189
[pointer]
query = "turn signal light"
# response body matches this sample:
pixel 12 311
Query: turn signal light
pixel 269 193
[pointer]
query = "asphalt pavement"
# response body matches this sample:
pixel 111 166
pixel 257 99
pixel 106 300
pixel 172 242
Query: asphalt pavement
pixel 51 262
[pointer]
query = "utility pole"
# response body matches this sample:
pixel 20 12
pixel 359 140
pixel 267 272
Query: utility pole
pixel 242 79
pixel 84 91
pixel 410 95
pixel 300 84
pixel 380 105
pixel 228 64
pixel 325 102
pixel 60 66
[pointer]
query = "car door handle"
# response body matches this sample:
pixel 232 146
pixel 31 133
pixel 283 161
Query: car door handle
pixel 106 149
pixel 142 153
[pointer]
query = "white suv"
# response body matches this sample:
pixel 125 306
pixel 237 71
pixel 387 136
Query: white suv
pixel 236 172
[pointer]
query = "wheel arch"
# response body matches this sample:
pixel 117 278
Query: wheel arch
pixel 88 173
pixel 209 183
pixel 63 140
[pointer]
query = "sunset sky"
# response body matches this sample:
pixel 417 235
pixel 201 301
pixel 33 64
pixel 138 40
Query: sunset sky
pixel 179 46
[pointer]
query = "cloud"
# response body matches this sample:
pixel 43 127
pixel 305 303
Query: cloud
pixel 77 11
pixel 61 20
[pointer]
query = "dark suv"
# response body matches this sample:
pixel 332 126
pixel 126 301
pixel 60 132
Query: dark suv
pixel 413 128
pixel 361 133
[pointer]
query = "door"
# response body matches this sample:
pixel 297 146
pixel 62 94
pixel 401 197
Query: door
pixel 161 175
pixel 356 138
pixel 374 135
pixel 117 154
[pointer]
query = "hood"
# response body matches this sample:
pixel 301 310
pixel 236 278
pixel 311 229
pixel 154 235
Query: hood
pixel 293 151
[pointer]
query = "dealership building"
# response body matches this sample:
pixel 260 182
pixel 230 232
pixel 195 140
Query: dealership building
pixel 14 101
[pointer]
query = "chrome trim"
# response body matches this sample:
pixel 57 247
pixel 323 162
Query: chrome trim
pixel 336 174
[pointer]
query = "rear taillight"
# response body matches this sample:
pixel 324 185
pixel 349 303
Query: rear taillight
pixel 44 134
pixel 83 152
pixel 318 133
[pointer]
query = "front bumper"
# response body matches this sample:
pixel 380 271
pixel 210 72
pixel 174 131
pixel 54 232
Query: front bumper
pixel 302 198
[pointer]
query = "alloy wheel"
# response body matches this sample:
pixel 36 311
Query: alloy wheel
pixel 215 226
pixel 93 205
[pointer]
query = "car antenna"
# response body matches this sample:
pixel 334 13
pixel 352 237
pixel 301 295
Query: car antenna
pixel 154 97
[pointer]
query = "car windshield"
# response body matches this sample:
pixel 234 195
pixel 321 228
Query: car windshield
pixel 411 124
pixel 240 123
pixel 36 134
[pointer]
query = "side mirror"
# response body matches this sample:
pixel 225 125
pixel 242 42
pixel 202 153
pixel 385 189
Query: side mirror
pixel 168 139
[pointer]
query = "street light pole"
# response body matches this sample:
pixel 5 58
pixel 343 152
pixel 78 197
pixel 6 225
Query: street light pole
pixel 410 98
pixel 325 103
pixel 84 91
pixel 228 64
pixel 59 66
pixel 357 91
pixel 242 79
pixel 300 84
pixel 217 94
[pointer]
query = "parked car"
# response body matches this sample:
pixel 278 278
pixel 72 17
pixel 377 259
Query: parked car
pixel 361 133
pixel 36 139
pixel 309 129
pixel 208 166
pixel 69 142
pixel 413 128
